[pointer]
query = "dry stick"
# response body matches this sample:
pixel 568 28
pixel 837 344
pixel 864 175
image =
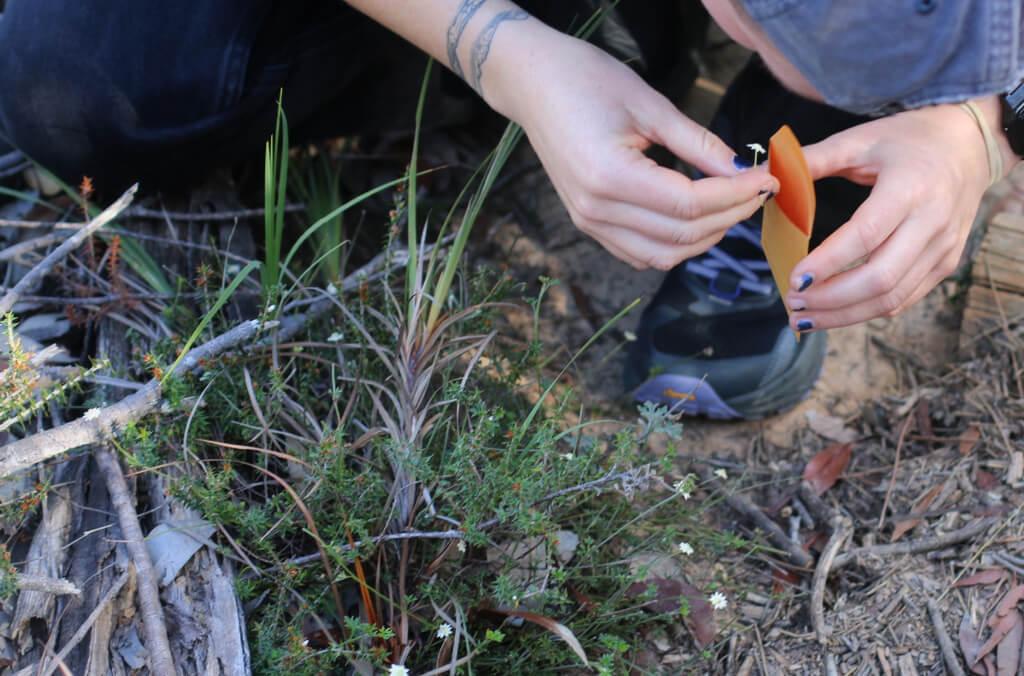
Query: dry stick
pixel 948 652
pixel 48 585
pixel 80 633
pixel 157 645
pixel 895 465
pixel 158 214
pixel 916 546
pixel 778 537
pixel 841 530
pixel 16 250
pixel 26 452
pixel 69 245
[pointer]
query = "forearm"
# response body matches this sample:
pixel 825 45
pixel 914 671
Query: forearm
pixel 491 44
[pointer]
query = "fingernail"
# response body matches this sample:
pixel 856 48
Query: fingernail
pixel 767 193
pixel 804 325
pixel 797 305
pixel 740 163
pixel 806 280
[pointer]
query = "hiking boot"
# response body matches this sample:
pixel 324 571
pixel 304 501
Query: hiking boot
pixel 715 341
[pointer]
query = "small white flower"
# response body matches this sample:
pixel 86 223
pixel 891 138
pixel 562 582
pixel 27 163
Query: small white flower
pixel 92 414
pixel 568 456
pixel 336 337
pixel 331 290
pixel 757 148
pixel 721 474
pixel 444 631
pixel 685 548
pixel 233 268
pixel 682 487
pixel 718 601
pixel 398 670
pixel 271 308
pixel 629 336
pixel 461 546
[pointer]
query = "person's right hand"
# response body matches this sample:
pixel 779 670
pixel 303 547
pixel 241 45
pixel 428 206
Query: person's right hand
pixel 589 118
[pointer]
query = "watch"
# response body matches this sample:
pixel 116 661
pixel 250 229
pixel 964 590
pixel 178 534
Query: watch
pixel 1013 119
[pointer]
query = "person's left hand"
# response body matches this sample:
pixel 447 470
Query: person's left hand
pixel 929 169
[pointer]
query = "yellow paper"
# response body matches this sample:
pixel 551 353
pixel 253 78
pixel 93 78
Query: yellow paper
pixel 784 244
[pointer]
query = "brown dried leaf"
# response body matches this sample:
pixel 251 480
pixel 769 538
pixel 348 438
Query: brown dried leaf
pixel 557 628
pixel 824 469
pixel 985 480
pixel 987 576
pixel 999 632
pixel 1009 603
pixel 700 619
pixel 969 439
pixel 1008 652
pixel 923 503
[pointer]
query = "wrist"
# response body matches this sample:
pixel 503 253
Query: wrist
pixel 990 108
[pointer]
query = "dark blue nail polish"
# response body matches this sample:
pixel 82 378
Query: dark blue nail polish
pixel 740 163
pixel 804 325
pixel 806 280
pixel 768 194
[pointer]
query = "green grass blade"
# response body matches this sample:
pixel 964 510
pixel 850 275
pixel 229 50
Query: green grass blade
pixel 412 270
pixel 225 294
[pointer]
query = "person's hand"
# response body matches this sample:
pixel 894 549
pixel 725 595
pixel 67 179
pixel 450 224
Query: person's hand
pixel 929 170
pixel 589 118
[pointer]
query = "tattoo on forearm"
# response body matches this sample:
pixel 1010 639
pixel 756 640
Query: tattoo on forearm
pixel 455 30
pixel 482 46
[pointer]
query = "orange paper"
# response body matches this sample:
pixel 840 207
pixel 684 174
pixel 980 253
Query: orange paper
pixel 789 217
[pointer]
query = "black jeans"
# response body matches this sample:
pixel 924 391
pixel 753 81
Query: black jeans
pixel 158 92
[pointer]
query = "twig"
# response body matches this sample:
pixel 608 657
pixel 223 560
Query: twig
pixel 48 585
pixel 26 452
pixel 942 636
pixel 17 250
pixel 916 546
pixel 158 214
pixel 895 465
pixel 82 630
pixel 69 245
pixel 153 624
pixel 841 530
pixel 744 506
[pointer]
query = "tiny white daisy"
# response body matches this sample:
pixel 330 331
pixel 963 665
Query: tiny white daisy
pixel 567 456
pixel 721 474
pixel 682 487
pixel 398 670
pixel 336 337
pixel 444 631
pixel 271 308
pixel 461 546
pixel 718 601
pixel 685 548
pixel 629 336
pixel 91 414
pixel 331 290
pixel 757 148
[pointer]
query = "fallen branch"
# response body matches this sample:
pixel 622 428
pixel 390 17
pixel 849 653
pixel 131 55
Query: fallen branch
pixel 70 244
pixel 916 546
pixel 157 644
pixel 107 421
pixel 942 636
pixel 842 529
pixel 48 585
pixel 152 214
pixel 741 504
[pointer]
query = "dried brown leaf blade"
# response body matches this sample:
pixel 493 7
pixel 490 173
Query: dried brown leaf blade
pixel 557 628
pixel 1008 604
pixel 1005 625
pixel 923 503
pixel 970 644
pixel 700 618
pixel 987 576
pixel 1008 651
pixel 825 468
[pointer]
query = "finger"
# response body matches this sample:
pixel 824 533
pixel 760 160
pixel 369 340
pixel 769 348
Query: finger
pixel 890 304
pixel 904 259
pixel 668 192
pixel 873 222
pixel 643 252
pixel 836 155
pixel 674 231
